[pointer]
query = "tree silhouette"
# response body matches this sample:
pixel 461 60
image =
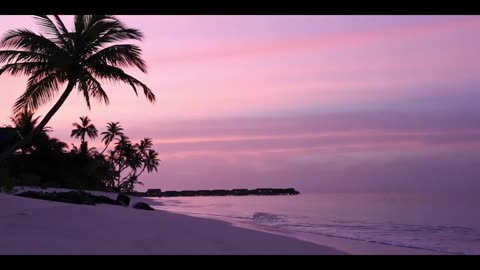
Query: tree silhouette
pixel 136 157
pixel 84 128
pixel 25 123
pixel 113 130
pixel 78 58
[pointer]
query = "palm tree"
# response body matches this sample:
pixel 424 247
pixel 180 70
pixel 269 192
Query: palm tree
pixel 133 156
pixel 50 145
pixel 145 145
pixel 84 150
pixel 25 123
pixel 125 155
pixel 78 58
pixel 84 128
pixel 150 161
pixel 123 148
pixel 113 130
pixel 138 157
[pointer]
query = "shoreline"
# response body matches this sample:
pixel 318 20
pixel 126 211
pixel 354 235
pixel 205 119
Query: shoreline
pixel 32 226
pixel 346 245
pixel 17 208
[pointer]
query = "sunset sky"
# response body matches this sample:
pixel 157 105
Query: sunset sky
pixel 319 103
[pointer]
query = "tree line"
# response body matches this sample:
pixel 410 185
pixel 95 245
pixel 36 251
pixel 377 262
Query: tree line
pixel 48 161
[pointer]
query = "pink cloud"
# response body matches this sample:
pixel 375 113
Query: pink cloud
pixel 408 95
pixel 229 50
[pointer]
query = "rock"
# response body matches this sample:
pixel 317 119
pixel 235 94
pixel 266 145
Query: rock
pixel 143 206
pixel 76 197
pixel 31 194
pixel 154 192
pixel 106 200
pixel 123 199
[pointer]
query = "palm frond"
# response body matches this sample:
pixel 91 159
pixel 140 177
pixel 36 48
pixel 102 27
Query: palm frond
pixel 42 73
pixel 106 31
pixel 113 129
pixel 37 94
pixel 93 88
pixel 91 131
pixel 13 56
pixel 83 57
pixel 79 23
pixel 112 73
pixel 76 133
pixel 83 87
pixel 28 40
pixel 85 120
pixel 60 25
pixel 123 55
pixel 77 126
pixel 52 30
pixel 24 68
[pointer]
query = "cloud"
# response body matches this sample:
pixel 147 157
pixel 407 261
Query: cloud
pixel 225 50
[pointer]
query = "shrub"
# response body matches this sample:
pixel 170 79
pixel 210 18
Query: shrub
pixel 7 184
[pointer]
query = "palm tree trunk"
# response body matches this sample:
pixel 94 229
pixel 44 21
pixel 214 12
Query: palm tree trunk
pixel 130 173
pixel 42 124
pixel 106 146
pixel 143 169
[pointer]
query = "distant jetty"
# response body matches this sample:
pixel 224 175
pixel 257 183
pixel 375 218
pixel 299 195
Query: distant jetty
pixel 217 192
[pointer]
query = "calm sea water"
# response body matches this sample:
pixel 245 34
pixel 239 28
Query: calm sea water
pixel 444 223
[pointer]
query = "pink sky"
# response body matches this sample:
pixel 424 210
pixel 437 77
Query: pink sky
pixel 320 103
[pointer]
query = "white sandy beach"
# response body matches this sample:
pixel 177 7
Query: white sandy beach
pixel 31 226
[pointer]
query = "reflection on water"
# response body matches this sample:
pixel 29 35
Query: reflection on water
pixel 439 223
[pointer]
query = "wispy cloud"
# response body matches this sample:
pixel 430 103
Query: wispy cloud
pixel 334 40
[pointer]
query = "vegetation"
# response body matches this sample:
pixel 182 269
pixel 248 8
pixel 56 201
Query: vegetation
pixel 7 183
pixel 79 58
pixel 25 124
pixel 95 50
pixel 47 161
pixel 113 130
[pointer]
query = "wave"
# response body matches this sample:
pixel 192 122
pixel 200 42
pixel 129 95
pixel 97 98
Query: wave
pixel 389 243
pixel 268 219
pixel 353 230
pixel 436 238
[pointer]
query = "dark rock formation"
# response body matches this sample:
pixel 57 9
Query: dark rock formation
pixel 123 199
pixel 139 194
pixel 204 193
pixel 220 192
pixel 106 200
pixel 154 192
pixel 75 197
pixel 233 192
pixel 170 194
pixel 240 192
pixel 143 206
pixel 187 193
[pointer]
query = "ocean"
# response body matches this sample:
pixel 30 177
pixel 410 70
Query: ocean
pixel 435 222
